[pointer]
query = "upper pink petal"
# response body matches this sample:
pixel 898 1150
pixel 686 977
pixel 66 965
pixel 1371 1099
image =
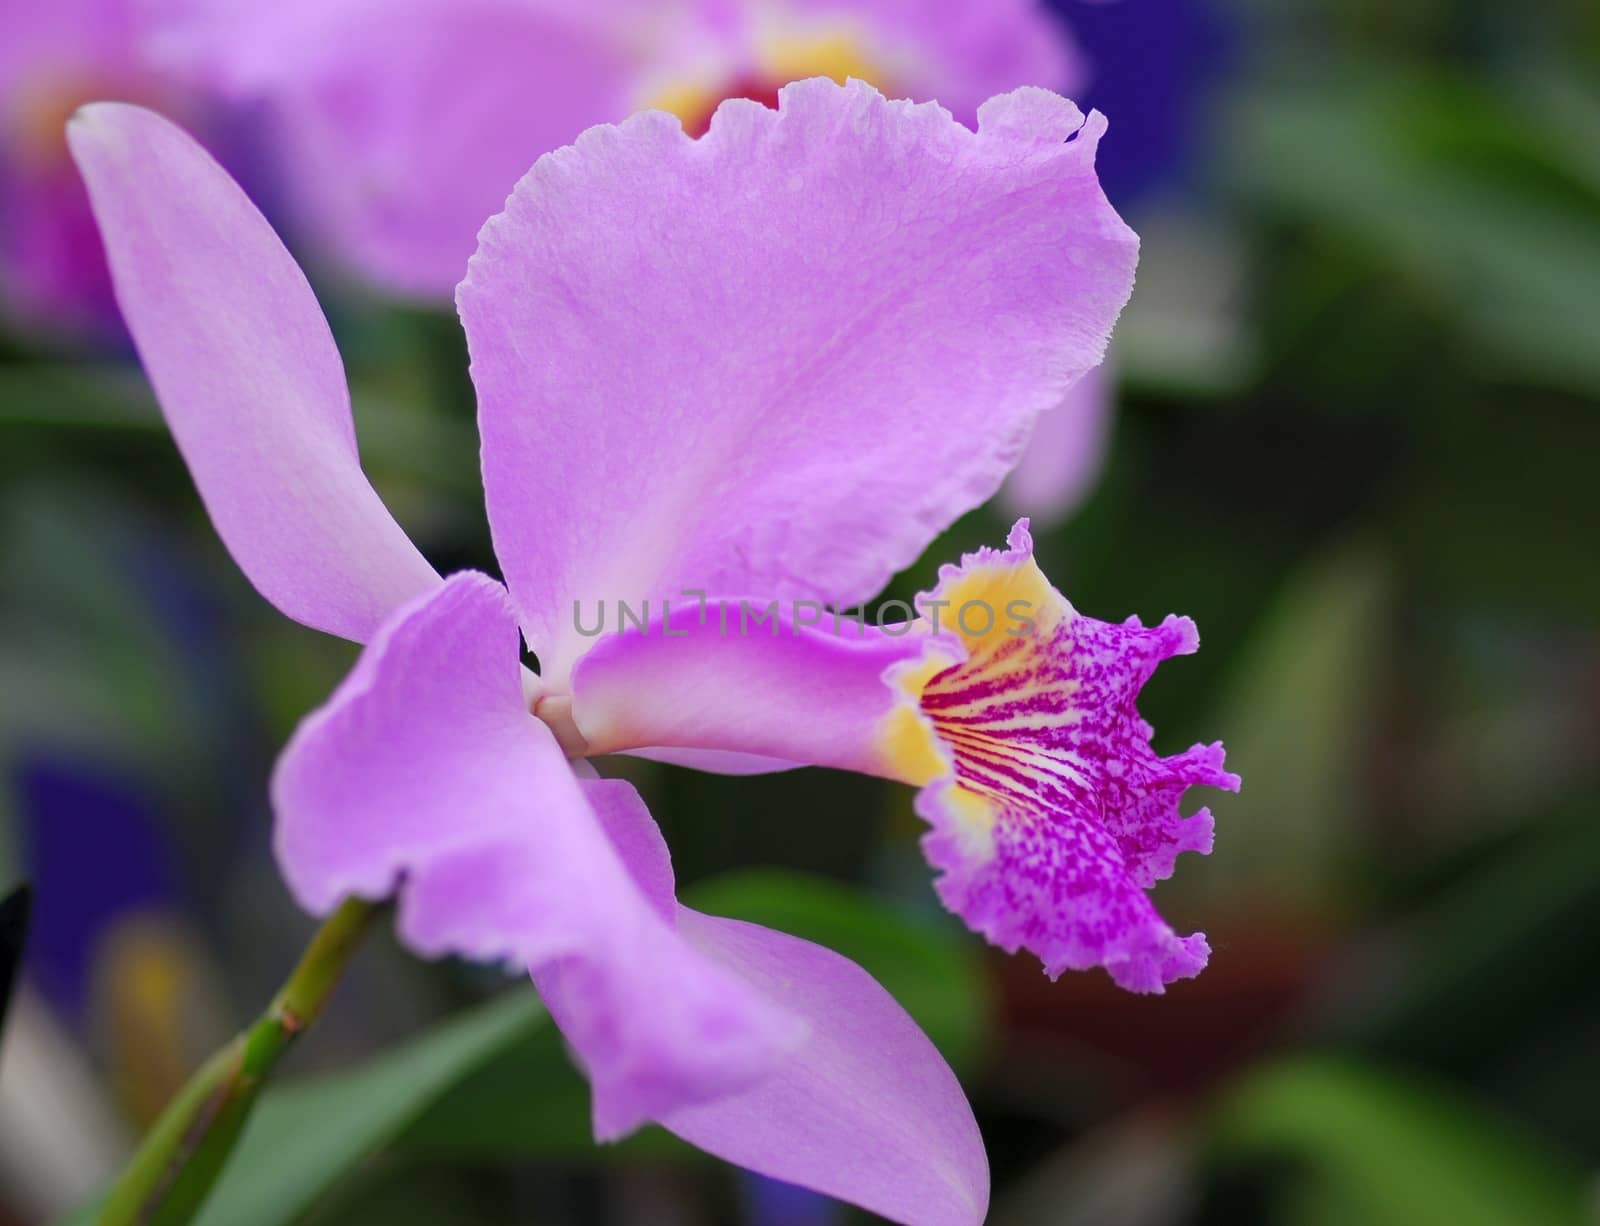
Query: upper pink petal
pixel 425 775
pixel 780 358
pixel 247 374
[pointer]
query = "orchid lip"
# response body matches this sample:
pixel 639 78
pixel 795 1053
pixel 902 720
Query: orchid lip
pixel 1051 816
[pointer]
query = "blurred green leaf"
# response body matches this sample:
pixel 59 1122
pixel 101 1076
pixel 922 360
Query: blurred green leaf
pixel 109 652
pixel 1494 212
pixel 1295 718
pixel 531 1101
pixel 1184 332
pixel 79 612
pixel 1372 1145
pixel 1481 947
pixel 303 1139
pixel 1496 518
pixel 82 395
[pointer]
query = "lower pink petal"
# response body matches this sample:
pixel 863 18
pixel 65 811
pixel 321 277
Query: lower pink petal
pixel 865 1109
pixel 426 777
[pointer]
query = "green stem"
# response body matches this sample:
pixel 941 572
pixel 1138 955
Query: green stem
pixel 168 1179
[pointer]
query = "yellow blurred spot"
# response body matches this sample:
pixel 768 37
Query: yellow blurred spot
pixel 155 1009
pixel 778 60
pixel 839 56
pixel 36 122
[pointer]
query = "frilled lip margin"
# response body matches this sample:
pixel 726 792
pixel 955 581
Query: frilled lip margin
pixel 1051 814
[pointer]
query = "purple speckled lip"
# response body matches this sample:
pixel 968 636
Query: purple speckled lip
pixel 1058 815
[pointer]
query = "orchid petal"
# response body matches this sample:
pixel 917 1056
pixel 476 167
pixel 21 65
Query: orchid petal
pixel 865 1109
pixel 738 678
pixel 247 373
pixel 1065 454
pixel 780 358
pixel 425 776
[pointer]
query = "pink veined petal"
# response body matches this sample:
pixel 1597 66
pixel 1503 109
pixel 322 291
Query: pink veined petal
pixel 1065 454
pixel 1051 816
pixel 865 1109
pixel 247 374
pixel 780 358
pixel 425 776
pixel 400 126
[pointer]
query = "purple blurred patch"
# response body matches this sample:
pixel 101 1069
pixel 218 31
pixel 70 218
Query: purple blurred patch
pixel 1153 64
pixel 95 852
pixel 771 1202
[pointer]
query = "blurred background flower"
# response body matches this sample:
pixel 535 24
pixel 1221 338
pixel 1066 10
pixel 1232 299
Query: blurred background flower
pixel 398 129
pixel 1358 405
pixel 55 57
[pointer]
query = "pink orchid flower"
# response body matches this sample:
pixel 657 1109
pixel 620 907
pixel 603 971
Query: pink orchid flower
pixel 768 365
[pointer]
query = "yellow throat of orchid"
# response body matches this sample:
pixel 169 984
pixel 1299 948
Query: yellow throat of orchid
pixel 954 713
pixel 779 59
